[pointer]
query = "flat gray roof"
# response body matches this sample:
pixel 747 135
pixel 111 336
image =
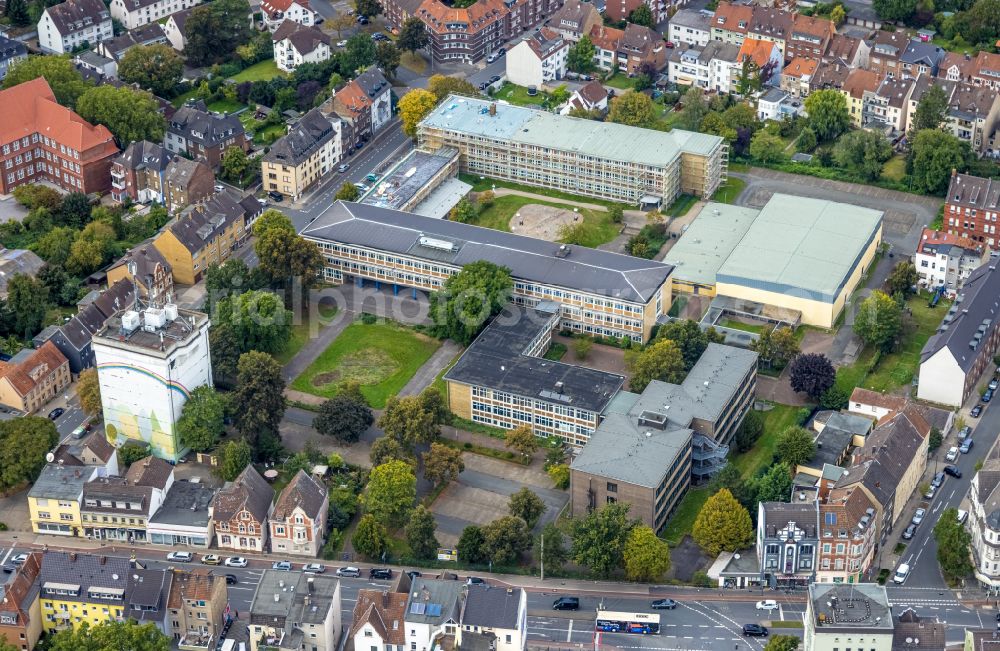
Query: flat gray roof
pixel 408 177
pixel 606 140
pixel 442 199
pixel 58 482
pixel 708 241
pixel 453 243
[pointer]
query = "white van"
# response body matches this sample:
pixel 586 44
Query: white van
pixel 902 572
pixel 228 645
pixel 962 516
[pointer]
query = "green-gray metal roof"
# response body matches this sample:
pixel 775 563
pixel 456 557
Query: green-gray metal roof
pixel 708 242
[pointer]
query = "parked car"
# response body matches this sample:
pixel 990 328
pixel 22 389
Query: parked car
pixel 494 79
pixel 902 572
pixel 566 603
pixel 380 573
pixel 937 480
pixel 965 447
pixel 953 471
pixel 211 559
pixel 79 432
pixel 952 453
pixel 474 580
pixel 767 604
pixel 918 516
pixel 343 168
pixel 19 559
pixel 988 395
pixel 492 57
pixel 670 45
pixel 910 530
pixel 362 20
pixel 962 516
pixel 931 492
pixel 314 568
pixel 235 561
pixel 663 604
pixel 371 178
pixel 413 574
pixel 283 566
pixel 56 413
pixel 342 43
pixel 275 195
pixel 754 630
pixel 964 432
pixel 180 557
pixel 231 579
pixel 218 188
pixel 348 571
pixel 994 384
pixel 362 188
pixel 976 411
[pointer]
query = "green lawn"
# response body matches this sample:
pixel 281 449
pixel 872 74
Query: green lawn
pixel 894 168
pixel 745 327
pixel 269 134
pixel 681 205
pixel 597 226
pixel 519 95
pixel 263 71
pixel 382 357
pixel 555 352
pixel 682 520
pixel 482 184
pixel 729 190
pixel 226 106
pixel 760 455
pixel 439 384
pixel 180 99
pixel 621 82
pixel 300 333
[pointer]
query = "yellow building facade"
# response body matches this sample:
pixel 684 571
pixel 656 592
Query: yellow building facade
pixel 54 499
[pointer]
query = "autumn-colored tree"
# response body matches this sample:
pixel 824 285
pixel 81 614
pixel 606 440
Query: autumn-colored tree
pixel 661 360
pixel 88 388
pixel 647 557
pixel 522 439
pixel 414 107
pixel 442 464
pixel 723 524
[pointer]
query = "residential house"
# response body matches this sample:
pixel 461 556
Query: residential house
pixel 33 377
pixel 920 58
pixel 887 107
pixel 963 346
pixel 206 234
pixel 837 434
pixel 295 610
pixel 298 521
pixel 606 41
pixel 241 510
pixel 92 450
pixel 277 11
pixel 691 27
pixel 921 85
pixel 295 44
pixel 772 25
pixel 829 75
pixel 980 639
pixel 619 10
pixel 150 272
pixel 295 162
pixel 915 633
pixel 712 68
pixel 766 58
pixel 136 13
pixel 397 12
pixel 857 87
pixel 731 22
pixel 494 618
pixel 848 51
pixel 55 498
pixel 174 29
pixel 641 49
pixel 73 24
pixel 196 606
pixel 774 104
pixel 11 52
pixel 20 608
pixel 365 102
pixel 944 261
pixel 810 38
pixel 955 66
pixel 787 542
pixel 848 532
pixel 835 611
pixel 89 62
pixel 464 34
pixel 202 135
pixel 574 20
pixel 433 610
pixel 592 97
pixel 378 623
pixel 887 48
pixel 183 517
pixel 538 59
pixel 17 261
pixel 873 404
pixel 972 206
pixel 984 70
pixel 115 48
pixel 146 172
pixel 797 76
pixel 40 140
pixel 119 508
pixel 973 116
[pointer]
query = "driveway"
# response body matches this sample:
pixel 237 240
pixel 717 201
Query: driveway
pixel 11 210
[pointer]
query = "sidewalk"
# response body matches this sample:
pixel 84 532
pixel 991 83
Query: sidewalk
pixel 427 373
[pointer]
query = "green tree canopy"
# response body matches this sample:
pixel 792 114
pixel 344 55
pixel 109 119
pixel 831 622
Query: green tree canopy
pixel 933 155
pixel 348 192
pixel 795 446
pixel 662 360
pixel 690 338
pixel 392 489
pixel 130 115
pixel 442 464
pixel 953 547
pixel 213 31
pixel 551 549
pixel 28 299
pixel 259 399
pixel 580 57
pixel 234 457
pixel 642 15
pixel 525 504
pixel 157 68
pixel 895 10
pixel 258 319
pixel 387 56
pixel 647 558
pixel 409 421
pixel 505 539
pixel 632 108
pixel 775 485
pixel 344 418
pixel 370 538
pixel 414 107
pixel 64 79
pixel 472 545
pixel 723 524
pixel 470 298
pixel 110 636
pixel 88 389
pixel 828 115
pixel 878 321
pixel 864 152
pixel 412 35
pixel 420 534
pixel 931 109
pixel 385 449
pixel 443 86
pixel 24 442
pixel 202 419
pixel 599 538
pixel 767 147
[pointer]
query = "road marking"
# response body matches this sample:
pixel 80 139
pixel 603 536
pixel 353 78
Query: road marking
pixel 781 615
pixel 569 633
pixel 6 556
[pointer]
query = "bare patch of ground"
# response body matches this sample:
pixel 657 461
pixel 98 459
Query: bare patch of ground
pixel 542 222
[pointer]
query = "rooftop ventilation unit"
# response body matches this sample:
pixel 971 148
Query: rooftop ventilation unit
pixel 130 321
pixel 440 245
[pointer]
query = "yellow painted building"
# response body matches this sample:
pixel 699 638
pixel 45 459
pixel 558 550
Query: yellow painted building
pixel 55 498
pixel 308 153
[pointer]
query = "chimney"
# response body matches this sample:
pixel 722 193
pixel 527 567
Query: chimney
pixel 72 557
pixel 385 598
pixel 104 559
pixel 493 109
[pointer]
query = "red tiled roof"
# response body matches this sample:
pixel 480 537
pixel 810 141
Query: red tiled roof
pixel 731 16
pixel 606 38
pixel 272 6
pixel 800 67
pixel 932 237
pixel 858 81
pixel 384 611
pixel 884 400
pixel 436 15
pixel 759 51
pixel 38 366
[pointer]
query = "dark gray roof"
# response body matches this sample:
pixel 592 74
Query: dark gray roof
pixel 915 633
pixel 200 224
pixel 896 91
pixel 148 594
pixel 181 171
pixel 693 18
pixel 304 38
pixel 302 492
pixel 9 49
pixel 185 504
pixel 250 491
pixel 194 122
pixel 60 482
pixel 17 261
pixel 372 82
pixel 492 607
pixel 74 15
pixel 80 329
pixel 146 258
pixel 777 515
pixel 120 492
pixel 310 133
pixel 923 53
pixel 434 601
pixel 149 34
pixel 599 272
pixel 143 154
pixel 572 15
pixel 858 608
pixel 86 571
pixel 874 476
pixel 497 360
pixel 181 17
pixel 971 320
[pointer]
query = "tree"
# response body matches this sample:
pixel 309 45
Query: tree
pixel 342 21
pixel 344 418
pixel 442 464
pixel 273 222
pixel 953 547
pixel 559 474
pixel 359 53
pixel 157 68
pixel 443 86
pixel 471 545
pixel 878 321
pixel 17 12
pixel 62 288
pixel 933 155
pixel 834 398
pixel 580 57
pixel 599 538
pixel 75 210
pixel 368 8
pixel 894 10
pixel 230 278
pixel 420 534
pixel 412 35
pixel 387 57
pixel 582 346
pixel 642 15
pixel 130 115
pixel 812 374
pixel 24 442
pixel 838 15
pixel 110 636
pixel 370 538
pixel 750 79
pixel 690 338
pixel 213 31
pixel 864 152
pixel 505 539
pixel 414 107
pixel 902 281
pixel 723 524
pixel 4 646
pixel 33 196
pixel 786 642
pixel 348 191
pixel 259 399
pixel 258 319
pixel 385 449
pixel 226 351
pixel 64 79
pixel 662 360
pixel 750 430
pixel 408 421
pixel 775 485
pixel 931 110
pixel 28 300
pixel 434 403
pixel 695 109
pixel 807 140
pixel 88 389
pixel 522 439
pixel 775 348
pixel 632 108
pixel 234 457
pixel 979 23
pixel 550 548
pixel 525 504
pixel 235 164
pixel 935 440
pixel 202 419
pixel 285 257
pixel 795 446
pixel 715 124
pixel 470 298
pixel 647 558
pixel 828 115
pixel 392 488
pixel 767 147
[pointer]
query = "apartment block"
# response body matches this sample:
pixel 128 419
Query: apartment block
pixel 787 542
pixel 365 103
pixel 203 135
pixel 310 150
pixel 712 67
pixel 20 608
pixel 574 20
pixel 298 521
pixel 11 52
pixel 295 610
pixel 860 611
pixel 887 48
pixel 146 172
pixel 972 207
pixel 197 605
pixel 31 378
pixel 575 155
pixel 945 261
pixel 538 59
pixel 72 24
pixel 691 27
pixel 984 523
pixel 277 11
pixel 136 13
pixel 148 270
pixel 296 43
pixel 55 498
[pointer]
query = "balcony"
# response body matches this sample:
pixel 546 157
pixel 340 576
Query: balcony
pixel 193 641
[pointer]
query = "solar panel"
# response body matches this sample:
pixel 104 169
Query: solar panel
pixel 417 608
pixel 434 610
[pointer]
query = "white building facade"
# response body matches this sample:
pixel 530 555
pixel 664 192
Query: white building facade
pixel 74 24
pixel 136 13
pixel 537 59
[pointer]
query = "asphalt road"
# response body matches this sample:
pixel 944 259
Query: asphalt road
pixel 72 418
